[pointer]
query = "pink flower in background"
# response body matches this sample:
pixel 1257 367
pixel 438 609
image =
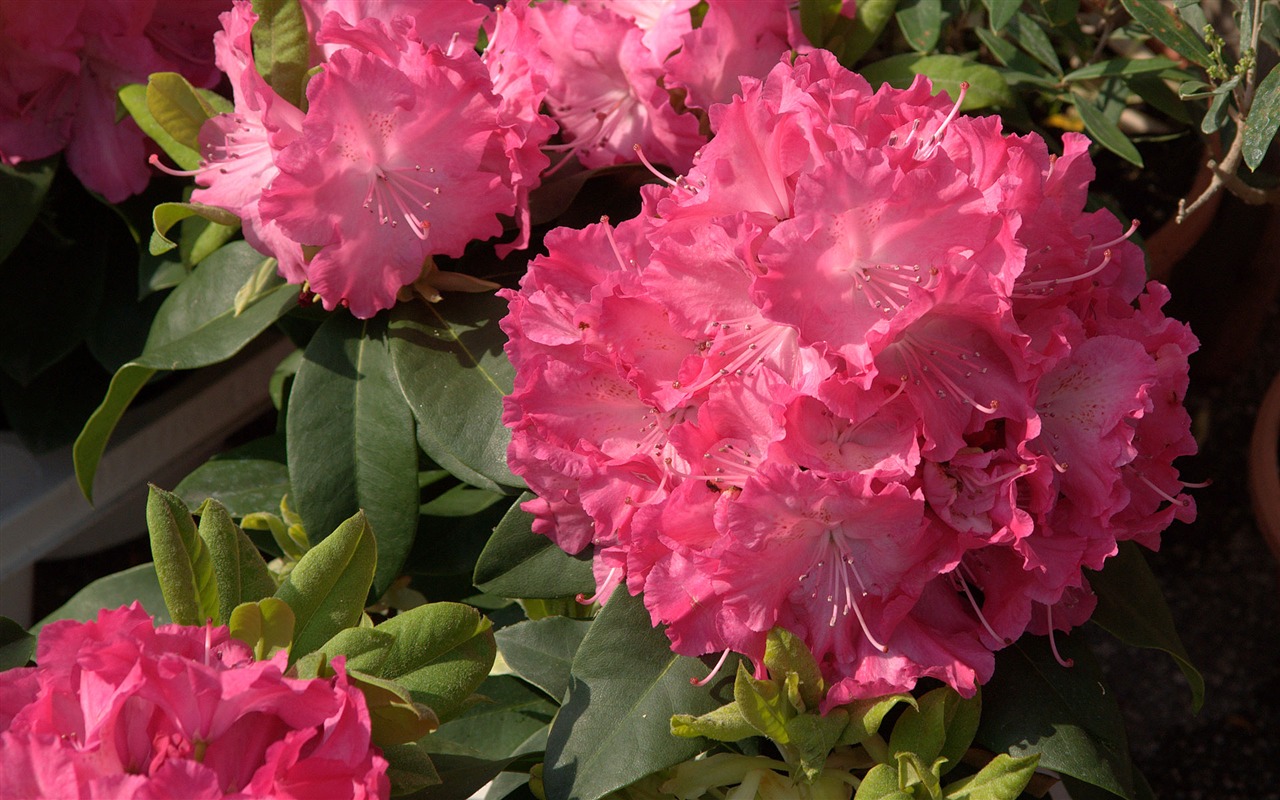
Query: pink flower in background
pixel 868 371
pixel 61 65
pixel 119 708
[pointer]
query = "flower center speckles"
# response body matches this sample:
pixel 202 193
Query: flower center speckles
pixel 831 580
pixel 886 287
pixel 401 194
pixel 942 369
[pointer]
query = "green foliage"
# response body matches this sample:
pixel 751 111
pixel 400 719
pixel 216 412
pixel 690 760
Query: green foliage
pixel 138 584
pixel 183 564
pixel 246 479
pixel 519 563
pixel 1264 120
pixel 16 645
pixel 22 191
pixel 986 86
pixel 196 326
pixel 281 46
pixel 266 625
pixel 541 651
pixel 166 215
pixel 1169 28
pixel 351 442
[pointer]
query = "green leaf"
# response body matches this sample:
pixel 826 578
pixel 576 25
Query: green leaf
pixel 865 716
pixel 881 783
pixel 999 12
pixel 1003 778
pixel 724 724
pixel 869 21
pixel 250 478
pixel 1104 131
pixel 177 108
pixel 442 652
pixel 816 18
pixel 195 327
pixel 614 727
pixel 520 563
pixel 119 589
pixel 813 736
pixel 281 46
pixel 511 713
pixel 182 560
pixel 396 718
pixel 920 22
pixel 350 440
pixel 1169 28
pixel 1028 35
pixel 454 374
pixel 266 625
pixel 1034 705
pixel 166 215
pixel 16 645
pixel 1263 120
pixel 942 725
pixel 239 570
pixel 134 99
pixel 1132 608
pixel 22 191
pixel 1122 67
pixel 913 771
pixel 785 652
pixel 409 768
pixel 327 588
pixel 763 704
pixel 365 649
pixel 986 86
pixel 541 651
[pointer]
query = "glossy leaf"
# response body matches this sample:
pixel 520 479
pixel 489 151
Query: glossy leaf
pixel 1028 35
pixel 511 713
pixel 441 653
pixel 520 563
pixel 16 645
pixel 1122 67
pixel 183 564
pixel 327 588
pixel 22 190
pixel 1132 608
pixel 1034 705
pixel 451 366
pixel 1104 131
pixel 1002 778
pixel 118 589
pixel 350 440
pixel 1165 24
pixel 920 22
pixel 869 22
pixel 166 215
pixel 281 46
pixel 266 625
pixel 614 726
pixel 999 12
pixel 1264 119
pixel 246 479
pixel 986 86
pixel 541 651
pixel 195 327
pixel 240 572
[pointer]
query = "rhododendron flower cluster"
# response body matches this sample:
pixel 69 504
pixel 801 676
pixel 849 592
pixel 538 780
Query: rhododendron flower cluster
pixel 119 708
pixel 413 144
pixel 62 63
pixel 867 371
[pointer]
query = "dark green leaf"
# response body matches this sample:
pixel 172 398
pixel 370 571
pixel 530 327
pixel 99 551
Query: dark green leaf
pixel 520 563
pixel 450 539
pixel 1022 67
pixel 920 22
pixel 1104 131
pixel 986 86
pixel 166 215
pixel 1123 67
pixel 815 18
pixel 195 327
pixel 1028 35
pixel 442 652
pixel 1263 120
pixel 496 727
pixel 1060 12
pixel 409 768
pixel 281 46
pixel 1155 92
pixel 350 440
pixel 22 191
pixel 454 373
pixel 614 728
pixel 182 561
pixel 1132 608
pixel 1216 116
pixel 869 21
pixel 327 588
pixel 1034 705
pixel 119 589
pixel 1165 24
pixel 241 574
pixel 999 12
pixel 16 645
pixel 246 479
pixel 541 651
pixel 460 776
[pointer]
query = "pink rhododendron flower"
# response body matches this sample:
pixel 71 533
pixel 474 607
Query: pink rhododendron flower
pixel 119 708
pixel 868 371
pixel 61 65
